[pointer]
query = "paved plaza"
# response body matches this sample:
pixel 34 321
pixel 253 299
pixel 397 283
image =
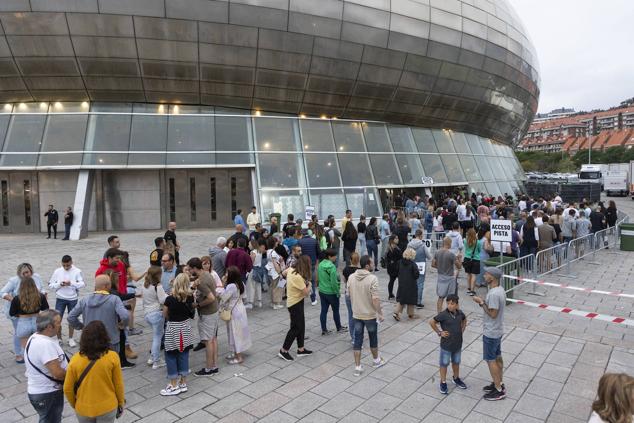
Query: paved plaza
pixel 552 360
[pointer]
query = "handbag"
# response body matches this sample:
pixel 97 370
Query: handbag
pixel 225 314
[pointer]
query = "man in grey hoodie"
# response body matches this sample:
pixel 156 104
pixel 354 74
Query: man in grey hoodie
pixel 218 256
pixel 422 255
pixel 103 306
pixel 457 244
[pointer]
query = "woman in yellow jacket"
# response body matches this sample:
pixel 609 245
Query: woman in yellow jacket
pixel 99 397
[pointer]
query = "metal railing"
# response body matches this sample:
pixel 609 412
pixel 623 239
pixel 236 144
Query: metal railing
pixel 552 259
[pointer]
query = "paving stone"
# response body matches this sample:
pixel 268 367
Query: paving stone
pixel 418 405
pixel 266 404
pixel 396 416
pixel 573 406
pixel 238 417
pixel 516 417
pixel 457 405
pixel 229 404
pixel 357 417
pixel 545 388
pixel 534 406
pixel 303 405
pixel 436 417
pixel 475 417
pixel 331 387
pixel 318 417
pixel 366 387
pixel 278 417
pixel 562 418
pixel 379 405
pixel 262 387
pixel 496 409
pixel 341 405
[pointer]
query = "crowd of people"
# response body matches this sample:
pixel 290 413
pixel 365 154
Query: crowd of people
pixel 185 303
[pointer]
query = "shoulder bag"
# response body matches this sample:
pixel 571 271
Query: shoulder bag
pixel 225 314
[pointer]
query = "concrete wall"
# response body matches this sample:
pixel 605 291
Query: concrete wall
pixel 131 199
pixel 58 188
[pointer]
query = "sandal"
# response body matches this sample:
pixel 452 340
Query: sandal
pixel 235 361
pixel 413 316
pixel 396 317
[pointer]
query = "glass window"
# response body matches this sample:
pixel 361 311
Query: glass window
pixel 190 133
pixel 401 138
pixel 434 167
pixel 362 201
pixel 322 170
pixel 284 202
pixel 470 168
pixel 280 170
pixel 4 124
pixel 149 134
pixel 424 140
pixel 376 138
pixel 460 143
pixel 384 169
pixel 63 133
pixel 24 135
pixel 328 201
pixel 355 170
pixel 411 168
pixel 483 166
pixel 348 136
pixel 498 170
pixel 274 134
pixel 477 187
pixel 453 168
pixel 443 141
pixel 474 144
pixel 108 133
pixel 316 135
pixel 486 146
pixel 492 189
pixel 505 187
pixel 233 134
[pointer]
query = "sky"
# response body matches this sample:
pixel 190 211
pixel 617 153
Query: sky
pixel 585 50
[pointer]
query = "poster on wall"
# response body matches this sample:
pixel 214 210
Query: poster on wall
pixel 310 211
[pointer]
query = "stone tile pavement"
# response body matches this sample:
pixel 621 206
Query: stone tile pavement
pixel 552 361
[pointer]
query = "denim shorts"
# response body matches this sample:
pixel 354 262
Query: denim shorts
pixel 372 327
pixel 446 357
pixel 61 305
pixel 491 348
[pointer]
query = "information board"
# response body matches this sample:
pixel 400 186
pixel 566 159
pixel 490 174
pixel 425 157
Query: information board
pixel 501 230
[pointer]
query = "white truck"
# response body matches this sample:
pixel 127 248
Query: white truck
pixel 592 173
pixel 616 181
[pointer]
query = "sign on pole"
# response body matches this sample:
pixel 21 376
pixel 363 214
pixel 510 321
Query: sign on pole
pixel 501 231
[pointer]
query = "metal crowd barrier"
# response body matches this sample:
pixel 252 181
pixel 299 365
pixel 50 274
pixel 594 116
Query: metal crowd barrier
pixel 553 258
pixel 523 267
pixel 580 247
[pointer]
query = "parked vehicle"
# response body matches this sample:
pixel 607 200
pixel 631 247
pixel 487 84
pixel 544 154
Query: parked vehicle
pixel 592 173
pixel 616 182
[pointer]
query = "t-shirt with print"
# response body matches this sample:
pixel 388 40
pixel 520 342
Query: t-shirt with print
pixel 452 323
pixel 206 285
pixel 495 299
pixel 42 349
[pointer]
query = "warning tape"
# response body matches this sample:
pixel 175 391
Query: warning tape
pixel 575 288
pixel 566 310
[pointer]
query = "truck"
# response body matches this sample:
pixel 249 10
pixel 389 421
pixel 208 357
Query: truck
pixel 592 173
pixel 616 181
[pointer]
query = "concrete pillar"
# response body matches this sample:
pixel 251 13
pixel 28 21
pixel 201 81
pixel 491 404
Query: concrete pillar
pixel 81 209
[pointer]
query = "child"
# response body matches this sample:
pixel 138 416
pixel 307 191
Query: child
pixel 453 323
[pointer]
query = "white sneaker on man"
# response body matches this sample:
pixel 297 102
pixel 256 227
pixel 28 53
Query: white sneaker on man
pixel 158 364
pixel 72 343
pixel 248 306
pixel 150 361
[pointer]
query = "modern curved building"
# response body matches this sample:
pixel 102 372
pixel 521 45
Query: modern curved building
pixel 138 112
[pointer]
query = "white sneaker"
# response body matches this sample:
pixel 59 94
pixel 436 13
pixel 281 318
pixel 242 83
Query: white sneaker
pixel 183 387
pixel 378 364
pixel 313 303
pixel 158 364
pixel 259 304
pixel 171 390
pixel 150 361
pixel 249 306
pixel 72 343
pixel 358 370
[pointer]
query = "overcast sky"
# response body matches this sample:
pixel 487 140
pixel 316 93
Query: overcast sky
pixel 585 50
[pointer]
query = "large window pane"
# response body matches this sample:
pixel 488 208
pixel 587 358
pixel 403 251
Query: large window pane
pixel 498 170
pixel 280 170
pixel 362 201
pixel 316 135
pixel 328 201
pixel 474 144
pixel 402 140
pixel 424 140
pixel 348 136
pixel 284 202
pixel 453 168
pixel 486 146
pixel 443 141
pixel 355 170
pixel 190 133
pixel 108 133
pixel 434 168
pixel 4 125
pixel 322 170
pixel 274 134
pixel 24 135
pixel 483 166
pixel 505 187
pixel 149 133
pixel 63 133
pixel 232 134
pixel 460 143
pixel 376 138
pixel 492 189
pixel 411 168
pixel 470 168
pixel 384 169
pixel 477 187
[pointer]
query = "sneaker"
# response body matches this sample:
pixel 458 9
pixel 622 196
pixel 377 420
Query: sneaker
pixel 150 361
pixel 135 331
pixel 158 364
pixel 491 387
pixel 183 387
pixel 470 293
pixel 200 346
pixel 419 306
pixel 391 298
pixel 304 353
pixel 459 383
pixel 170 390
pixel 325 332
pixel 443 388
pixel 204 372
pixel 357 371
pixel 277 306
pixel 342 329
pixel 127 365
pixel 377 364
pixel 495 395
pixel 249 306
pixel 72 343
pixel 259 304
pixel 314 303
pixel 285 355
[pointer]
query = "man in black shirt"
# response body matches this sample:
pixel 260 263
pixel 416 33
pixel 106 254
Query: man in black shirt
pixel 238 235
pixel 157 253
pixel 453 323
pixel 170 235
pixel 51 221
pixel 68 222
pixel 290 223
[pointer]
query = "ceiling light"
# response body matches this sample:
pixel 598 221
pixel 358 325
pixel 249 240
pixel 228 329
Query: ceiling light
pixel 258 113
pixel 58 105
pixel 22 106
pixel 341 148
pixel 303 116
pixel 84 104
pixel 267 145
pixel 175 109
pixel 323 116
pixel 8 107
pixel 43 105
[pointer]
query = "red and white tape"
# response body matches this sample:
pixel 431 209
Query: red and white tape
pixel 566 310
pixel 575 288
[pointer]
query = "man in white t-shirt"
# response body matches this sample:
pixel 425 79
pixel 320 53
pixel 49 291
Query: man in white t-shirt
pixel 66 281
pixel 46 364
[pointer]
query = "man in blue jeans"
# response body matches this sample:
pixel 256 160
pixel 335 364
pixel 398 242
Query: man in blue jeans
pixel 363 288
pixel 422 255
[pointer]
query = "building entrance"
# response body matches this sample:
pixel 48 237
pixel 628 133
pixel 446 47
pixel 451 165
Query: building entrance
pixel 395 197
pixel 19 211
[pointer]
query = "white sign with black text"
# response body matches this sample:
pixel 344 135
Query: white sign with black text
pixel 501 230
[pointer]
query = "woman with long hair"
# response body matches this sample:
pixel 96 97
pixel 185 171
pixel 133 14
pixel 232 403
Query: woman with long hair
pixel 407 292
pixel 611 214
pixel 529 236
pixel 178 310
pixel 10 290
pixel 392 258
pixel 153 299
pixel 25 307
pixel 471 261
pixel 125 350
pixel 349 238
pixel 100 396
pixel 615 399
pixel 372 240
pixel 132 278
pixel 297 288
pixel 238 326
